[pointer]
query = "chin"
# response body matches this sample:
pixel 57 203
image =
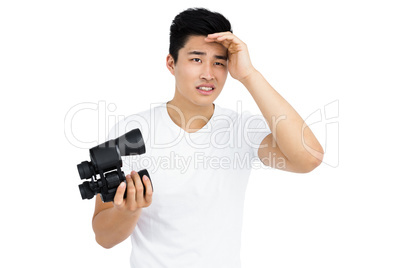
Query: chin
pixel 204 101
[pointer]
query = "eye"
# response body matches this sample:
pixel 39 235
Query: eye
pixel 196 60
pixel 219 64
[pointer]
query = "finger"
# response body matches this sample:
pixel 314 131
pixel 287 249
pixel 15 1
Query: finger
pixel 220 36
pixel 214 35
pixel 226 37
pixel 130 189
pixel 119 196
pixel 215 39
pixel 139 187
pixel 148 189
pixel 225 40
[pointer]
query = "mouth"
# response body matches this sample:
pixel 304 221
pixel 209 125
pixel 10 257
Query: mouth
pixel 205 89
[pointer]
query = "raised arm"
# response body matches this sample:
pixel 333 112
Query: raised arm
pixel 291 139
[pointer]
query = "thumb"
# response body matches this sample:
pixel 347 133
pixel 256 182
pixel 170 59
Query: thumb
pixel 119 196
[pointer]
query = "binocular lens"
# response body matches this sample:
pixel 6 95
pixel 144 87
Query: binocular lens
pixel 85 190
pixel 85 171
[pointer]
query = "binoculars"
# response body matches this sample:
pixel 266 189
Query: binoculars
pixel 104 169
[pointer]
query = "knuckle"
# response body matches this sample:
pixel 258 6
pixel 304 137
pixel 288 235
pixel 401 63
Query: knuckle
pixel 148 200
pixel 118 203
pixel 139 188
pixel 142 204
pixel 130 191
pixel 132 207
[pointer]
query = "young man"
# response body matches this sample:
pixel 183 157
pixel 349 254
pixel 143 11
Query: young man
pixel 203 154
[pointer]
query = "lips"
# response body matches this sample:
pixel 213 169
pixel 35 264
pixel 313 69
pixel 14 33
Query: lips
pixel 206 87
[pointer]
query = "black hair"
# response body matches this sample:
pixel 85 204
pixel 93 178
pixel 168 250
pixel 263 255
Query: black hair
pixel 194 22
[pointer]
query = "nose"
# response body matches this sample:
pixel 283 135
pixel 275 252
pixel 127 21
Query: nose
pixel 207 73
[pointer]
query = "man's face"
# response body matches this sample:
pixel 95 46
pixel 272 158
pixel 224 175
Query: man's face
pixel 200 71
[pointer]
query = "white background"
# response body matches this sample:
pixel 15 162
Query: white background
pixel 345 55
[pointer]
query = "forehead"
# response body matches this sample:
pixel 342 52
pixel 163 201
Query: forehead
pixel 197 43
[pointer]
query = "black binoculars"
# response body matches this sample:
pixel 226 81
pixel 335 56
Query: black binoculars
pixel 106 162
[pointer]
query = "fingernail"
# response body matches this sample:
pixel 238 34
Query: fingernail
pixel 145 178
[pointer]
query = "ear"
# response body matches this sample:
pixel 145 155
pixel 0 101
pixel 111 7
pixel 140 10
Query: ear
pixel 170 63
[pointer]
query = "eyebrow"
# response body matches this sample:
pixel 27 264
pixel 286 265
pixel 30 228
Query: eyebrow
pixel 195 52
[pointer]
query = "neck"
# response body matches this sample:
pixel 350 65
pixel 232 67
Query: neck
pixel 189 116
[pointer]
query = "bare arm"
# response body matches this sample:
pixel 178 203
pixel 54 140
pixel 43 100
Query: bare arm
pixel 113 223
pixel 291 139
